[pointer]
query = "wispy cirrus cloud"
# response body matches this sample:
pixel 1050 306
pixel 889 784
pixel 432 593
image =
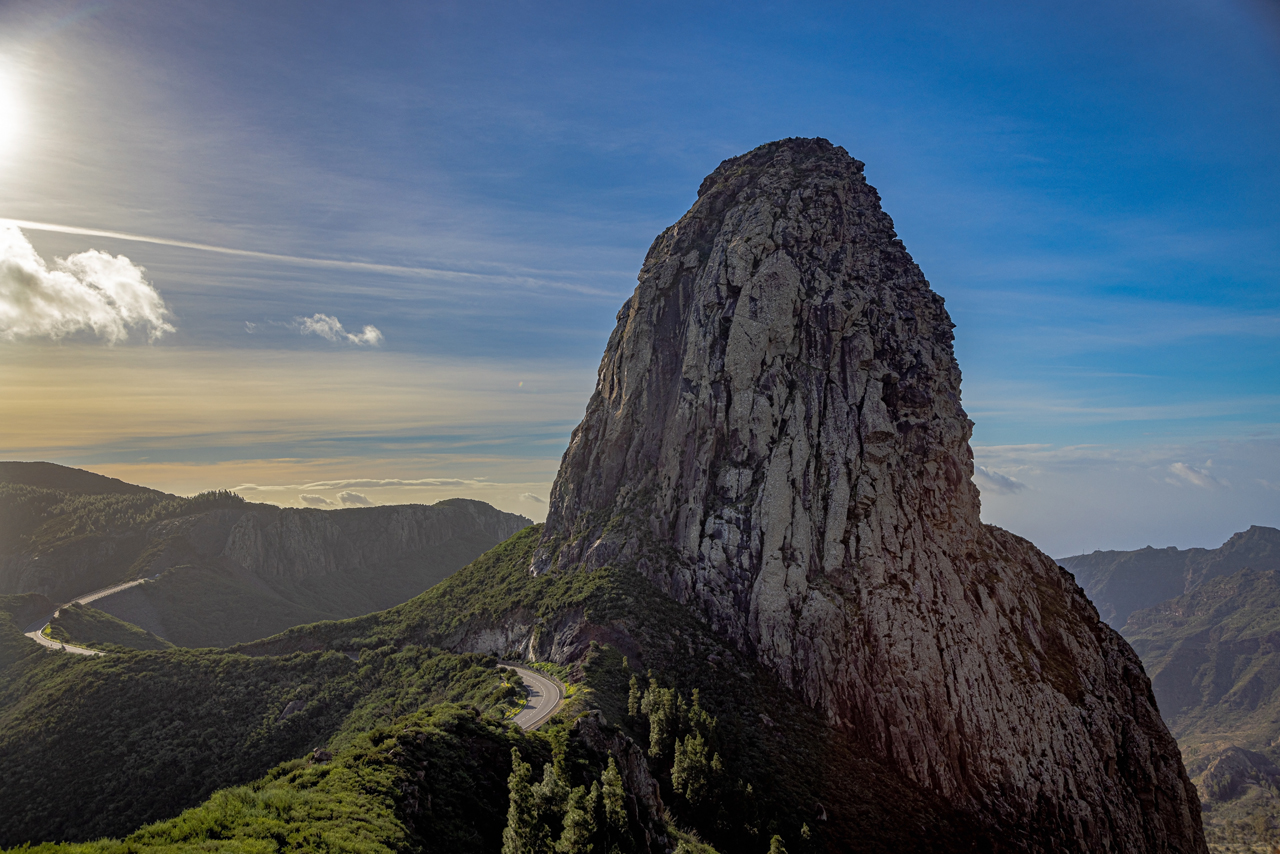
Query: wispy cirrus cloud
pixel 105 294
pixel 327 326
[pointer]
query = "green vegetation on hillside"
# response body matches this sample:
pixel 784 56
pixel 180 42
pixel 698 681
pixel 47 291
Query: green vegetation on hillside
pixel 784 770
pixel 42 519
pixel 102 535
pixel 737 759
pixel 139 736
pixel 86 626
pixel 66 532
pixel 16 614
pixel 433 781
pixel 1213 659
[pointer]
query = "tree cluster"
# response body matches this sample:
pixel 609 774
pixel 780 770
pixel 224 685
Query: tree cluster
pixel 549 817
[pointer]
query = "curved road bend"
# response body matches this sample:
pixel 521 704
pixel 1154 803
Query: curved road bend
pixel 35 631
pixel 545 695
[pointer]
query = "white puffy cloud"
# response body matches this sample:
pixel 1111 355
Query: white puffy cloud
pixel 529 496
pixel 90 290
pixel 327 326
pixel 354 499
pixel 990 480
pixel 314 500
pixel 1195 476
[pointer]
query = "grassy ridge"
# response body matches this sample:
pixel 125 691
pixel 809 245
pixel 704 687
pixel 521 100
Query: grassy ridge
pixel 139 736
pixel 86 626
pixel 80 542
pixel 40 520
pixel 369 798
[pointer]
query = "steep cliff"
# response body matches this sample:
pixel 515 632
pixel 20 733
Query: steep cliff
pixel 776 440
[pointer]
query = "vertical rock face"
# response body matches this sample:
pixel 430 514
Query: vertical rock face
pixel 776 439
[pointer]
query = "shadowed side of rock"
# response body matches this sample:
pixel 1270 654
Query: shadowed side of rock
pixel 777 440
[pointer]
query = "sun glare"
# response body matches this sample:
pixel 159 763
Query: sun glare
pixel 11 114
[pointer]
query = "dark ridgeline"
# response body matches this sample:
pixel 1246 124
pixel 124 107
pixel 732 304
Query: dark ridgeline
pixel 776 440
pixel 1121 582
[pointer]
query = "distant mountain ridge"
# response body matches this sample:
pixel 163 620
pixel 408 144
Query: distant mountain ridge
pixel 1121 582
pixel 226 571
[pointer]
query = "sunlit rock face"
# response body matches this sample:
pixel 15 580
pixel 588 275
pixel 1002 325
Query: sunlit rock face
pixel 776 439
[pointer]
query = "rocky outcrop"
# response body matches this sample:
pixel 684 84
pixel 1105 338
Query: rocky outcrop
pixel 643 795
pixel 1234 770
pixel 776 439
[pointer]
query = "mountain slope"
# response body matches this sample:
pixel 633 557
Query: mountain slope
pixel 1120 583
pixel 226 571
pixel 139 736
pixel 784 770
pixel 1214 659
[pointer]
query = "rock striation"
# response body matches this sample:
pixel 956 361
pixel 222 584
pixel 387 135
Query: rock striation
pixel 776 440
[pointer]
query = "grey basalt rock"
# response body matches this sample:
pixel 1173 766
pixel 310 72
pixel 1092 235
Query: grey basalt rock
pixel 776 439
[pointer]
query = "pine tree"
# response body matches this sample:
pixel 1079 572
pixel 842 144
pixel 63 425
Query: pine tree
pixel 559 739
pixel 549 798
pixel 700 720
pixel 634 697
pixel 580 821
pixel 615 802
pixel 663 710
pixel 690 774
pixel 775 846
pixel 516 838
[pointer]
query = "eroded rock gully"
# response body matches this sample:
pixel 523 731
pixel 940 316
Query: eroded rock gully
pixel 776 439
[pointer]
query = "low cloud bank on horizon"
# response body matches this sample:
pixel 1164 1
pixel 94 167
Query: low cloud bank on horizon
pixel 991 480
pixel 89 290
pixel 327 326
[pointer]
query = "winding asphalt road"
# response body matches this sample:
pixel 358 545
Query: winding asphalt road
pixel 544 692
pixel 35 631
pixel 545 695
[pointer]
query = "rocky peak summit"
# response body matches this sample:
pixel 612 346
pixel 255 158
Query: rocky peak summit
pixel 776 440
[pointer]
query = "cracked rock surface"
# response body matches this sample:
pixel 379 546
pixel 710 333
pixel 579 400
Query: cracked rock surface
pixel 776 440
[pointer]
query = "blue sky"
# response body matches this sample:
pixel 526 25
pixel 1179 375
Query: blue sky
pixel 1092 186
